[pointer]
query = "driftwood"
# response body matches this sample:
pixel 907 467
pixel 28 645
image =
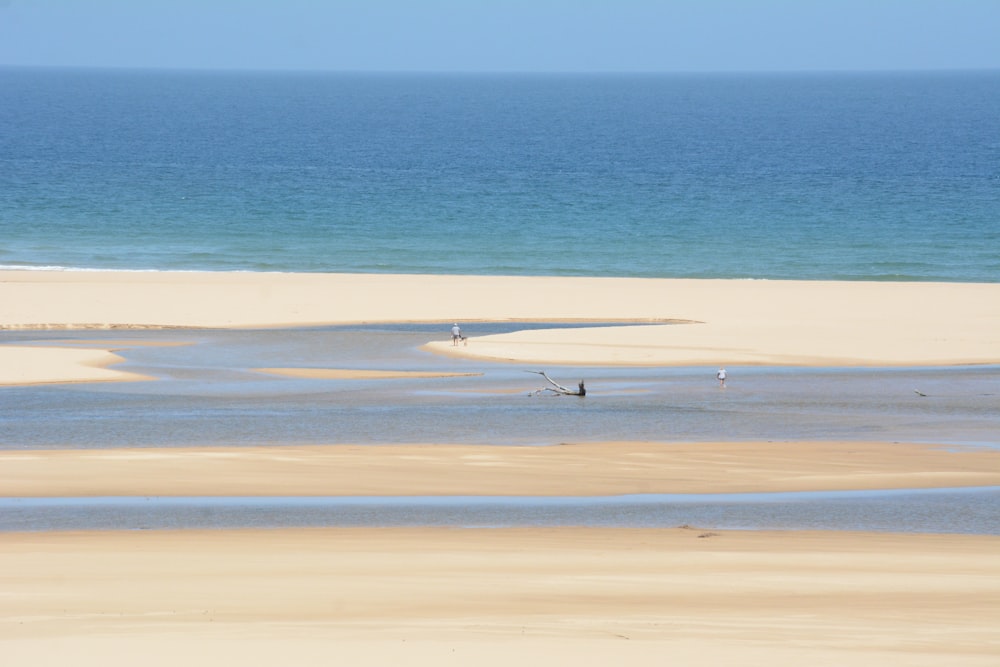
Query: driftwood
pixel 557 388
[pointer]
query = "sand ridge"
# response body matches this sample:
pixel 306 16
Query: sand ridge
pixel 728 321
pixel 568 469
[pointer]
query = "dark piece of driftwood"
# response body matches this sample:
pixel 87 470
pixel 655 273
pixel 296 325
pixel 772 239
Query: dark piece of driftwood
pixel 557 388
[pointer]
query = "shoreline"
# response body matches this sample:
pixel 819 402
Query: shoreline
pixel 713 322
pixel 434 596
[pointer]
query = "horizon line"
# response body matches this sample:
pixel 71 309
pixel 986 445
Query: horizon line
pixel 303 70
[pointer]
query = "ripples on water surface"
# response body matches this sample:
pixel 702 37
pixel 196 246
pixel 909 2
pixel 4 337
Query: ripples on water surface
pixel 931 511
pixel 837 176
pixel 206 393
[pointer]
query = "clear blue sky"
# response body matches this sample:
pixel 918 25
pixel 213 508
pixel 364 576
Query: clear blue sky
pixel 504 35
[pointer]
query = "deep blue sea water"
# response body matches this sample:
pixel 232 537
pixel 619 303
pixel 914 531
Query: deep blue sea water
pixel 806 176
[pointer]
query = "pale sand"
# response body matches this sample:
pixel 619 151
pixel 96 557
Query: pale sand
pixel 432 596
pixel 564 470
pixel 733 322
pixel 41 365
pixel 66 361
pixel 539 596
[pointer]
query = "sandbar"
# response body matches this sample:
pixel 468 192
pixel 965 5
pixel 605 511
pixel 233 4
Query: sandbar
pixel 568 469
pixel 23 365
pixel 714 322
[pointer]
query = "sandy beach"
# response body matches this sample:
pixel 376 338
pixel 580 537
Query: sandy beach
pixel 438 596
pixel 685 322
pixel 431 596
pixel 496 597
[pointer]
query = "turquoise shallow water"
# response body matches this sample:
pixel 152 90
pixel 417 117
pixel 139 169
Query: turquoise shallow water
pixel 805 176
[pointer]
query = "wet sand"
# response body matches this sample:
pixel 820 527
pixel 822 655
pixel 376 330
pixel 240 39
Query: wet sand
pixel 579 469
pixel 430 596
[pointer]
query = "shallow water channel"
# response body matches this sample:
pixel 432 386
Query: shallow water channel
pixel 206 391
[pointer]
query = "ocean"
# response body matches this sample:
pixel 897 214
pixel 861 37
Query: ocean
pixel 877 176
pixel 766 176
